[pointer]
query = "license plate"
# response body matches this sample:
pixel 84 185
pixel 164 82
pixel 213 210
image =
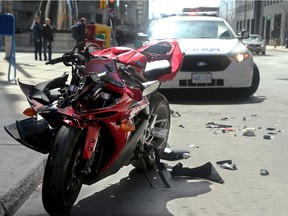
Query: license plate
pixel 201 78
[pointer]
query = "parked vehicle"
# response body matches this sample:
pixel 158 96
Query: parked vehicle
pixel 215 57
pixel 107 116
pixel 255 43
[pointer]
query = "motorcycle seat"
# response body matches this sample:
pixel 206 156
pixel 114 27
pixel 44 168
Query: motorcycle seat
pixel 157 68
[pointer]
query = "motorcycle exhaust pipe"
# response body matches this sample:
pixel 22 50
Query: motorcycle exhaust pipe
pixel 33 134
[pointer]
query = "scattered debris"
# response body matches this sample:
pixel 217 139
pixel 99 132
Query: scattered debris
pixel 254 115
pixel 206 171
pixel 224 130
pixel 181 126
pixel 244 119
pixel 224 118
pixel 268 137
pixel 264 172
pixel 270 129
pixel 175 154
pixel 227 164
pixel 174 114
pixel 215 125
pixel 249 131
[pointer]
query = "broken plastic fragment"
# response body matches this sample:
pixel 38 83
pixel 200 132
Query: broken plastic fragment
pixel 175 154
pixel 249 132
pixel 206 171
pixel 215 125
pixel 227 164
pixel 174 113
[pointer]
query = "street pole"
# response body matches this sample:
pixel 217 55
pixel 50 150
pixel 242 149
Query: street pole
pixel 8 8
pixel 226 4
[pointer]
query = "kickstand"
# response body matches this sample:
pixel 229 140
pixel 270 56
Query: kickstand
pixel 143 167
pixel 159 169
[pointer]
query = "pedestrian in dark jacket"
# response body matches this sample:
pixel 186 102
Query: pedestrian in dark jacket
pixel 37 38
pixel 47 39
pixel 81 32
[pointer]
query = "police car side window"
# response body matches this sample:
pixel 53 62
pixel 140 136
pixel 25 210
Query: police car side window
pixel 224 32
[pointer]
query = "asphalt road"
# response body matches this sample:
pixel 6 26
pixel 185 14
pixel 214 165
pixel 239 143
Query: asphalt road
pixel 245 191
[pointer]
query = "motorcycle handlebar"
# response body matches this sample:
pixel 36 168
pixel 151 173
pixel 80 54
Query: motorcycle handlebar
pixel 67 57
pixel 54 61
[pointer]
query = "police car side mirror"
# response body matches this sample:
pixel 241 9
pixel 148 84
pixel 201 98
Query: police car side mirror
pixel 243 34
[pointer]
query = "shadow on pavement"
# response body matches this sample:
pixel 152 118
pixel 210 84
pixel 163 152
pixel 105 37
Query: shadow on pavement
pixel 208 97
pixel 134 196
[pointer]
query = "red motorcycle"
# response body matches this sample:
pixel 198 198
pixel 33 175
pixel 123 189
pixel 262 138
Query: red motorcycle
pixel 108 116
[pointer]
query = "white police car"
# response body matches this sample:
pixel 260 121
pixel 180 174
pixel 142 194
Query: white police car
pixel 215 57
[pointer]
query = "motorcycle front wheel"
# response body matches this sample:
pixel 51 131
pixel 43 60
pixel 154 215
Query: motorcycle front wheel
pixel 62 180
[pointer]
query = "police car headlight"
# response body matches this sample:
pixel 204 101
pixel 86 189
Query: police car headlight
pixel 240 57
pixel 240 53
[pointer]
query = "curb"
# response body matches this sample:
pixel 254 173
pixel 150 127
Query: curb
pixel 13 199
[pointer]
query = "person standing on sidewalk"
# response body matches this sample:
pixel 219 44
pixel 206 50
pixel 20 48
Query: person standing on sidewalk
pixel 81 32
pixel 47 39
pixel 37 38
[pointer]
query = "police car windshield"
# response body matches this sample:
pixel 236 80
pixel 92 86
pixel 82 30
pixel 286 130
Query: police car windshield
pixel 180 29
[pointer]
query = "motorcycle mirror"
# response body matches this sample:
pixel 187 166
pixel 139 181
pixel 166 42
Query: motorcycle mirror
pixel 150 87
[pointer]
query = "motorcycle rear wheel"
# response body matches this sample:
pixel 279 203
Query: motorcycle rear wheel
pixel 62 180
pixel 159 106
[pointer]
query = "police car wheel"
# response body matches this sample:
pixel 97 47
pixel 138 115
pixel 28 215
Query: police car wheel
pixel 246 92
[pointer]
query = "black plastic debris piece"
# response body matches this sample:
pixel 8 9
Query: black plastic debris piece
pixel 268 136
pixel 224 118
pixel 206 171
pixel 264 172
pixel 270 129
pixel 174 113
pixel 175 154
pixel 227 164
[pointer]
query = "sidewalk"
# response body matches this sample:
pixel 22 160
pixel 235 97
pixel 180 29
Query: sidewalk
pixel 278 48
pixel 21 169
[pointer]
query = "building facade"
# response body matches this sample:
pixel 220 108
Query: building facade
pixel 63 13
pixel 269 18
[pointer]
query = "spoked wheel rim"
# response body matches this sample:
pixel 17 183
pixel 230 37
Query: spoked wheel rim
pixel 162 122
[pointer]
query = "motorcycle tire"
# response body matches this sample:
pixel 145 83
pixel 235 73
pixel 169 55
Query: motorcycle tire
pixel 160 106
pixel 62 180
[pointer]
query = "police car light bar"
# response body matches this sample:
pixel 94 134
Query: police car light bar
pixel 202 13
